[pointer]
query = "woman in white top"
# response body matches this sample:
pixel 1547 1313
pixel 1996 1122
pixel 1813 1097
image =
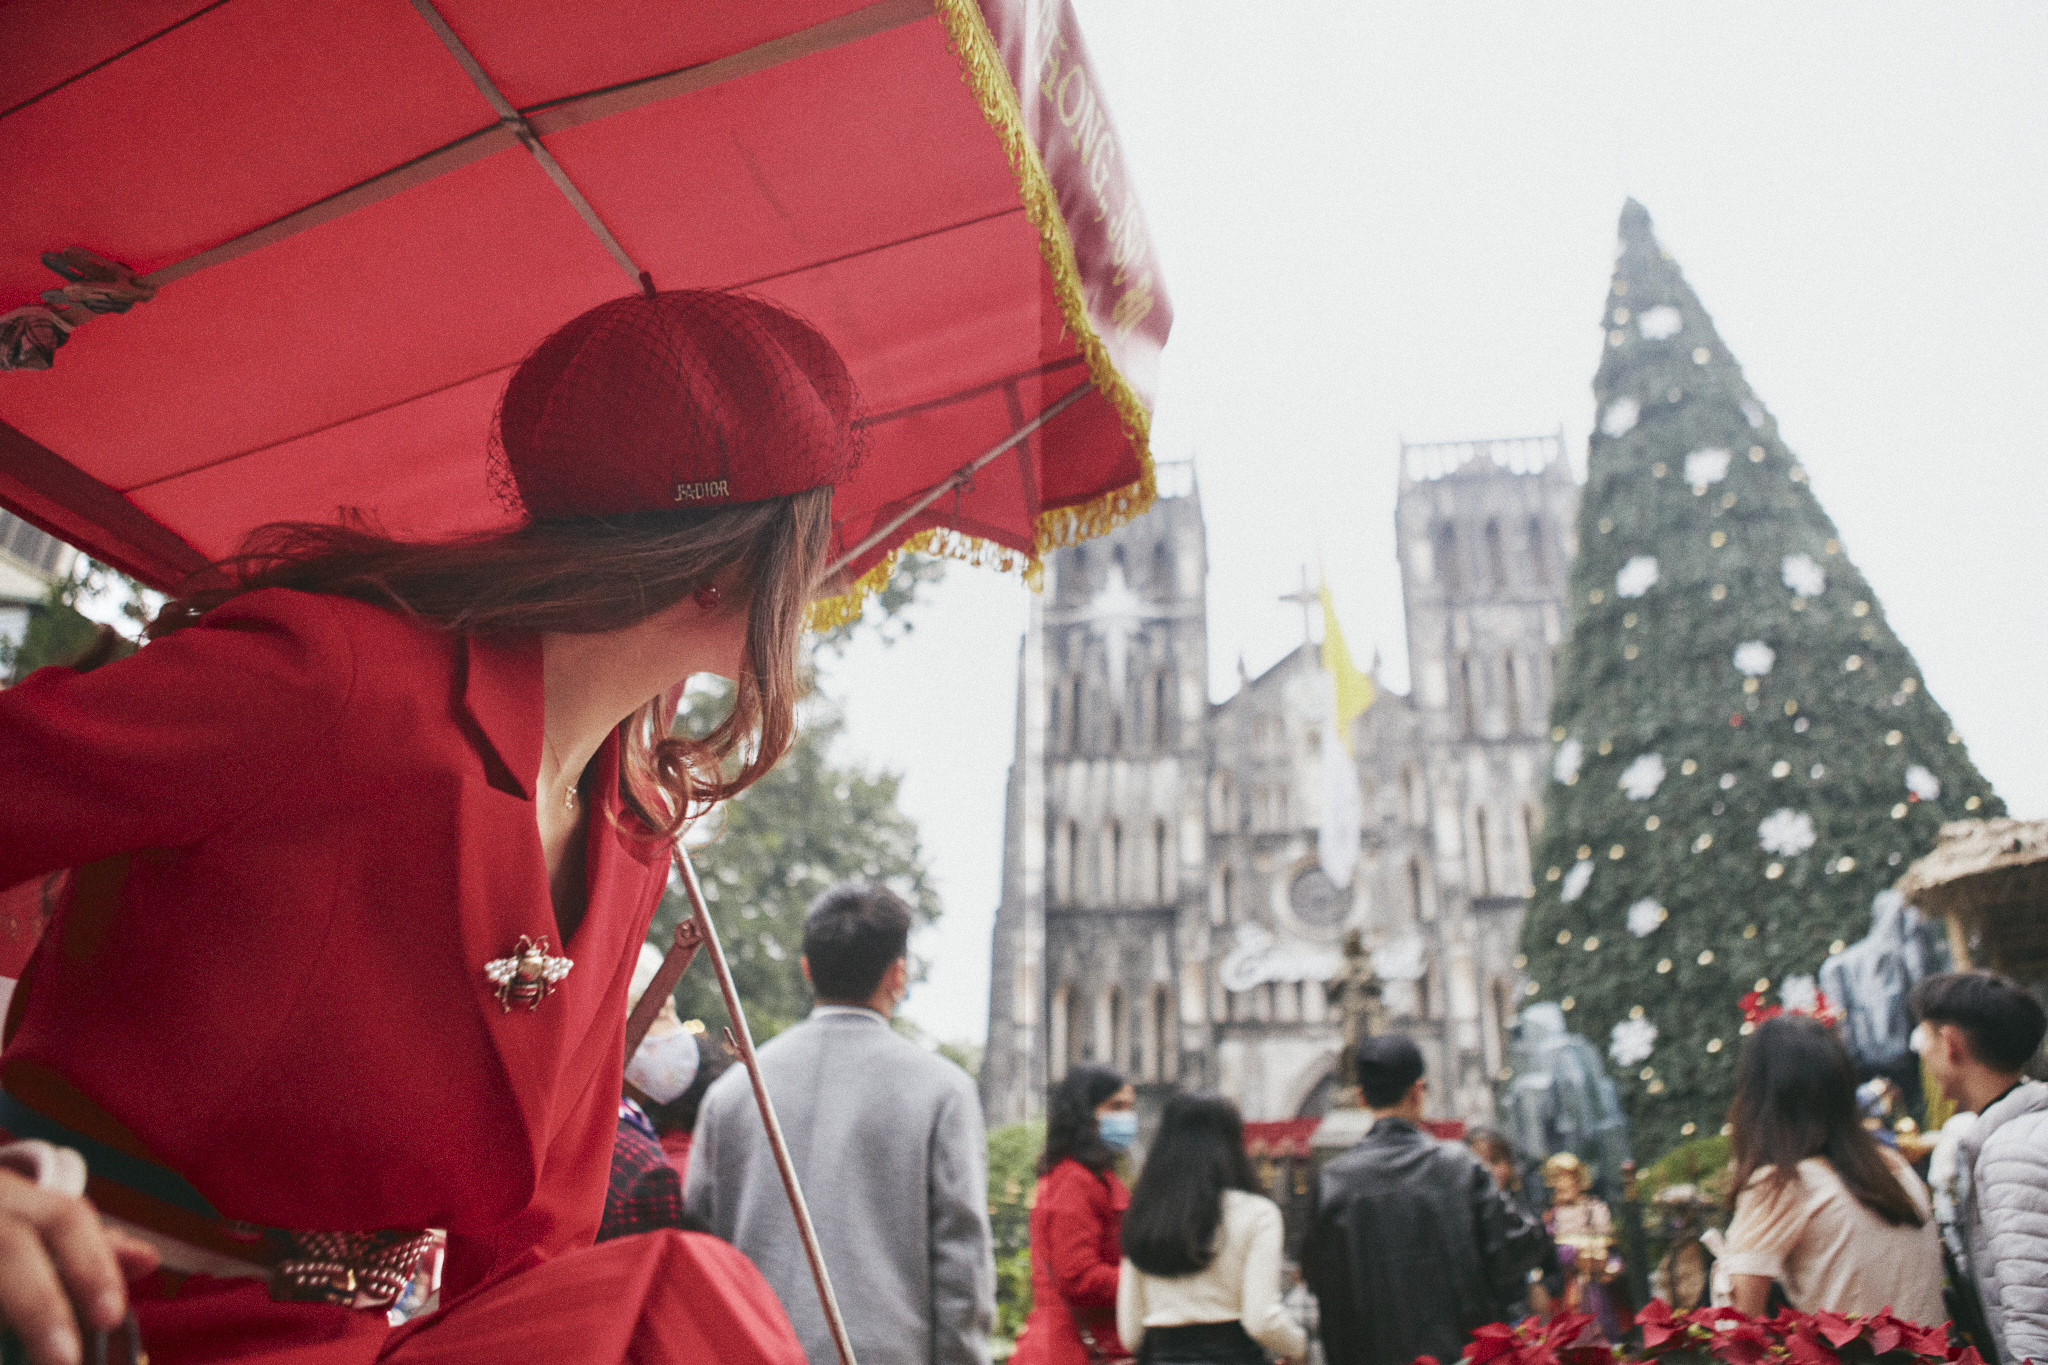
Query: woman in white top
pixel 1200 1280
pixel 1839 1221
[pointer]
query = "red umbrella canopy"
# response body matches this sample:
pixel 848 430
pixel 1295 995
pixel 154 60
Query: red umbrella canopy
pixel 358 218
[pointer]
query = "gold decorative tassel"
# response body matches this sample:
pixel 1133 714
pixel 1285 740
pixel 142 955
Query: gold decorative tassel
pixel 981 67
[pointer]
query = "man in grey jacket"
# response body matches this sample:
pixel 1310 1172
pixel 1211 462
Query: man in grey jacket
pixel 1977 1032
pixel 887 1141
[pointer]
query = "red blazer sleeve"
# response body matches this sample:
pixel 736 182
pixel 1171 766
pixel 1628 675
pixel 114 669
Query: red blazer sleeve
pixel 1074 1232
pixel 161 749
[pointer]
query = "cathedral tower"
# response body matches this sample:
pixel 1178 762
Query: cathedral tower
pixel 1486 539
pixel 1103 847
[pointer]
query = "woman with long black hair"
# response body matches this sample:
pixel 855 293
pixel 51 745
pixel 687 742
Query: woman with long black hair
pixel 1202 1248
pixel 1076 1219
pixel 1838 1221
pixel 361 851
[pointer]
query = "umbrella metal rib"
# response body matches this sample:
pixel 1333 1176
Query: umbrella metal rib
pixel 569 111
pixel 742 1039
pixel 959 478
pixel 515 123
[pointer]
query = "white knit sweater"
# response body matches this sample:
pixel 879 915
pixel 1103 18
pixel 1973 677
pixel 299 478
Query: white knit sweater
pixel 1242 1283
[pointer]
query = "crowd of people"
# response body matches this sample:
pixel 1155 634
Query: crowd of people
pixel 351 869
pixel 1417 1241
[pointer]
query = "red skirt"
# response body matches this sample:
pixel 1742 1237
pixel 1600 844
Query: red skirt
pixel 647 1299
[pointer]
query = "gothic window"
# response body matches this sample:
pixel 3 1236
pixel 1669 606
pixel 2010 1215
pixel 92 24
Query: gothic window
pixel 1074 715
pixel 1503 1002
pixel 1063 1049
pixel 1514 689
pixel 1115 888
pixel 1159 863
pixel 1530 824
pixel 1539 551
pixel 1159 727
pixel 1113 1047
pixel 1415 905
pixel 1073 868
pixel 1422 993
pixel 1052 726
pixel 1162 570
pixel 1447 566
pixel 1159 1050
pixel 1496 557
pixel 1411 799
pixel 1468 700
pixel 1222 803
pixel 1116 728
pixel 1229 895
pixel 1482 845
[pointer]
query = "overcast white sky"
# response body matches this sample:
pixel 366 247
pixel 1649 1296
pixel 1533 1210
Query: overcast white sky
pixel 1380 220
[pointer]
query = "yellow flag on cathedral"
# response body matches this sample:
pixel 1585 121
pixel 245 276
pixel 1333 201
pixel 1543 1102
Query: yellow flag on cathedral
pixel 1354 690
pixel 1337 845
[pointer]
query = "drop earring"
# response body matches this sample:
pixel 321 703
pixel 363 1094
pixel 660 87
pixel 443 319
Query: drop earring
pixel 706 597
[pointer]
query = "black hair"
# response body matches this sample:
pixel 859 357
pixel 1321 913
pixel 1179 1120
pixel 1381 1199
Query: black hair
pixel 1491 1145
pixel 2003 1023
pixel 680 1113
pixel 1795 1097
pixel 1070 1118
pixel 852 934
pixel 1170 1227
pixel 1387 1066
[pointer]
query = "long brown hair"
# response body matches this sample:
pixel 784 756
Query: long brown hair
pixel 583 576
pixel 1795 1097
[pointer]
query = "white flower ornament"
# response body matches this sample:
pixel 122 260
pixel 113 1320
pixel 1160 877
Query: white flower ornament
pixel 1642 777
pixel 1632 1041
pixel 1786 832
pixel 1637 576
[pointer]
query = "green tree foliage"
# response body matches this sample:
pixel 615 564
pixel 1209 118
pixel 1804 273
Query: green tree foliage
pixel 58 633
pixel 1012 1182
pixel 1745 752
pixel 808 825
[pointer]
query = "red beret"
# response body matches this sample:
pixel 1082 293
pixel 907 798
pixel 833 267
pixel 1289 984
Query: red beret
pixel 691 398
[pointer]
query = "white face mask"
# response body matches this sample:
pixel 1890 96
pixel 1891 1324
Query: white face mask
pixel 665 1063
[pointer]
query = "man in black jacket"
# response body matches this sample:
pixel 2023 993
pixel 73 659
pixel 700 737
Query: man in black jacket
pixel 1413 1244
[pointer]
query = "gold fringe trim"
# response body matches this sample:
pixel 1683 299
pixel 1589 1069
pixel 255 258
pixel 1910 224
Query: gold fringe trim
pixel 829 612
pixel 981 67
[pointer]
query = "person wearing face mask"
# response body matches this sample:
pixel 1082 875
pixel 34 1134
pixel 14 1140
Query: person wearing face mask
pixel 646 1190
pixel 887 1139
pixel 1076 1222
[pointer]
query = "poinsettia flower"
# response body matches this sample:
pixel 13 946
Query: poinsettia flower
pixel 1839 1331
pixel 1805 1349
pixel 1658 1325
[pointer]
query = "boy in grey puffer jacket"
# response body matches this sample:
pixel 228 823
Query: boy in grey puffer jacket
pixel 1977 1032
pixel 2004 1162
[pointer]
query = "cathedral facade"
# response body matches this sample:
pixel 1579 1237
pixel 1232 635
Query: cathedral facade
pixel 1164 909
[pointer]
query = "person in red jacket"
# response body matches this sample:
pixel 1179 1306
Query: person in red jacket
pixel 1076 1218
pixel 363 847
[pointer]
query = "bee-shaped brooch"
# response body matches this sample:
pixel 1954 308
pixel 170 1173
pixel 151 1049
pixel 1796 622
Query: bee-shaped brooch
pixel 528 976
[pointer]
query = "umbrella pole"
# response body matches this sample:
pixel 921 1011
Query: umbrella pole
pixel 742 1039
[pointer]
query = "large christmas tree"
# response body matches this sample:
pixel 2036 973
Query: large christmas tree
pixel 1744 752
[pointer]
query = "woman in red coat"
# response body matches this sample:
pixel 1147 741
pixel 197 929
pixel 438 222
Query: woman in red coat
pixel 364 846
pixel 1075 1219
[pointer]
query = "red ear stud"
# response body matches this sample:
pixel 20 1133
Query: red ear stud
pixel 706 597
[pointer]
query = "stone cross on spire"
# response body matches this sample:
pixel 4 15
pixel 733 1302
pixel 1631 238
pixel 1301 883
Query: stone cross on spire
pixel 1309 600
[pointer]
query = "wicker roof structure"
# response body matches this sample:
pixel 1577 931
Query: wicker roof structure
pixel 1989 880
pixel 1981 863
